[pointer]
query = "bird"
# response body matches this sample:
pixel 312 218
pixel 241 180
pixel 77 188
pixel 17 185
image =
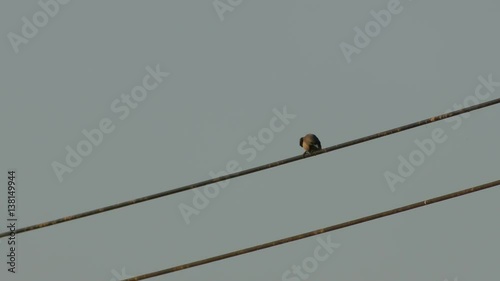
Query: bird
pixel 310 143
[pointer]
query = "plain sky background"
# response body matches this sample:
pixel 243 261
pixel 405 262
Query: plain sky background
pixel 226 77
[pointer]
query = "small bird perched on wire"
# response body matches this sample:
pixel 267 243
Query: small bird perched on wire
pixel 310 143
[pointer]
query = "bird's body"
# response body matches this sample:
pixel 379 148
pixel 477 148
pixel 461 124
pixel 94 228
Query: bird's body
pixel 310 143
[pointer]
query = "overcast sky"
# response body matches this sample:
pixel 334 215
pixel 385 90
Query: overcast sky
pixel 107 101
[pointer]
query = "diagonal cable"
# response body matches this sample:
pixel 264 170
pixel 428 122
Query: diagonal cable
pixel 318 231
pixel 255 169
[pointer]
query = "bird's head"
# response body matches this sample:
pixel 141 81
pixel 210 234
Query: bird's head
pixel 301 141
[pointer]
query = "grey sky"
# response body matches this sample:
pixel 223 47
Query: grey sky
pixel 230 71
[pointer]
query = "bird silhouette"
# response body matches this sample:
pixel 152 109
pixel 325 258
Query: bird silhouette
pixel 310 143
